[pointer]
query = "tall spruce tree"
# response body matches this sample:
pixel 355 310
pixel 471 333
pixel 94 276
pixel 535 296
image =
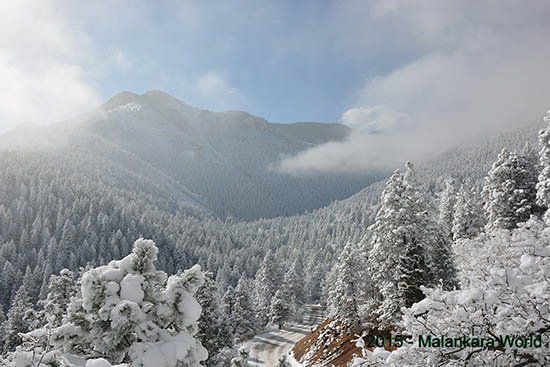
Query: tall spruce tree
pixel 279 310
pixel 352 287
pixel 2 331
pixel 447 201
pixel 543 185
pixel 267 279
pixel 60 290
pixel 412 275
pixel 214 330
pixel 403 236
pixel 509 191
pixel 293 286
pixel 525 194
pixel 228 301
pixel 243 314
pixel 497 190
pixel 469 216
pixel 20 319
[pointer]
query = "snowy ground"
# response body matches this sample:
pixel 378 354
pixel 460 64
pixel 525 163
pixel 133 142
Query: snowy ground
pixel 267 348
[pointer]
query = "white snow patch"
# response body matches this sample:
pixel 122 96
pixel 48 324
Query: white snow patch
pixel 180 348
pixel 381 353
pixel 527 261
pixel 470 295
pixel 130 288
pixel 293 362
pixel 114 275
pixel 98 362
pixel 128 107
pixel 125 264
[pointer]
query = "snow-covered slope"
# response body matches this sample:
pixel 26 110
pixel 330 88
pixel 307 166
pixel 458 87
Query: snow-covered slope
pixel 219 161
pixel 471 161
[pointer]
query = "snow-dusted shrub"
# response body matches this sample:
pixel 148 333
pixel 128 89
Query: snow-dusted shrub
pixel 508 296
pixel 130 312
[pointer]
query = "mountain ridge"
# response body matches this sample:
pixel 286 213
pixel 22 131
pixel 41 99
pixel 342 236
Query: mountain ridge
pixel 219 161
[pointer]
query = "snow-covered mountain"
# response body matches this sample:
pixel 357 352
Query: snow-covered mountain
pixel 219 161
pixel 80 192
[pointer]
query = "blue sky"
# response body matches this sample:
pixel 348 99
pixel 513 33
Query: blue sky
pixel 402 73
pixel 283 60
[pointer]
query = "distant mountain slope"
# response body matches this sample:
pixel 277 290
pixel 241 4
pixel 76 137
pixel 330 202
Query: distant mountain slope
pixel 315 132
pixel 474 160
pixel 471 161
pixel 218 161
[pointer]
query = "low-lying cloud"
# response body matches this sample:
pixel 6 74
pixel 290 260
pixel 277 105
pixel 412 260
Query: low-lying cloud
pixel 375 119
pixel 483 70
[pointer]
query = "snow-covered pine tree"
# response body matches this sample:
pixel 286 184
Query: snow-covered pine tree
pixel 497 190
pixel 509 191
pixel 60 290
pixel 412 275
pixel 279 311
pixel 228 301
pixel 429 239
pixel 406 247
pixel 543 185
pixel 46 275
pixel 313 278
pixel 129 311
pixel 293 287
pixel 391 231
pixel 469 216
pixel 214 330
pixel 524 197
pixel 243 314
pixel 438 257
pixel 266 281
pixel 2 332
pixel 447 201
pixel 20 319
pixel 352 287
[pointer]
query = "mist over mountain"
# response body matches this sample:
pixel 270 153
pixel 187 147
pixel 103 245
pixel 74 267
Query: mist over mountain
pixel 219 161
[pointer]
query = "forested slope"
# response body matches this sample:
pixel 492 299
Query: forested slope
pixel 222 162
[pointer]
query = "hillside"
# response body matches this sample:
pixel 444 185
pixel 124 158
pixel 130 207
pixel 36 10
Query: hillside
pixel 75 197
pixel 217 161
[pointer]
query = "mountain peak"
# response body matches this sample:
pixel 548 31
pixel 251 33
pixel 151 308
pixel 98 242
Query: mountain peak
pixel 157 97
pixel 153 98
pixel 157 93
pixel 120 99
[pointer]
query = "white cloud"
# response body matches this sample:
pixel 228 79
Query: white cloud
pixel 374 119
pixel 483 69
pixel 41 78
pixel 215 90
pixel 359 151
pixel 210 90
